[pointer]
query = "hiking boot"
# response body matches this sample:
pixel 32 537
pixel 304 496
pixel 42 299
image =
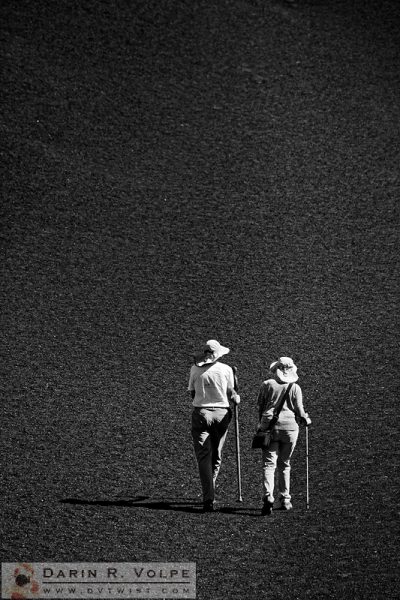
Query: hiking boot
pixel 267 508
pixel 286 504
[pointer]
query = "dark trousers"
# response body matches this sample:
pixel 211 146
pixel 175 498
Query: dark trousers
pixel 209 430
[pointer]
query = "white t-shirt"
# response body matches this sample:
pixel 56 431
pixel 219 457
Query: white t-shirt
pixel 210 384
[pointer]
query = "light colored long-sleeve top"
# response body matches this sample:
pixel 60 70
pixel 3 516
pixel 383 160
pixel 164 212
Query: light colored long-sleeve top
pixel 270 393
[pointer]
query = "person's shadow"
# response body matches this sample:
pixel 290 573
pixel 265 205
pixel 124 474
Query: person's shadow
pixel 179 504
pixel 190 506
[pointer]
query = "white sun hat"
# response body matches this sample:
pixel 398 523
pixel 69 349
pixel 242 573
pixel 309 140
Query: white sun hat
pixel 285 369
pixel 211 352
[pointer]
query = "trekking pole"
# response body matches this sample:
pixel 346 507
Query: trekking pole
pixel 236 412
pixel 307 494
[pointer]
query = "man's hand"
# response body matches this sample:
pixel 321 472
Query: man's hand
pixel 305 421
pixel 235 397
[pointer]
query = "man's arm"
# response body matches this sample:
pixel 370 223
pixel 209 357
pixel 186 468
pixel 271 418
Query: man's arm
pixel 191 389
pixel 233 396
pixel 231 393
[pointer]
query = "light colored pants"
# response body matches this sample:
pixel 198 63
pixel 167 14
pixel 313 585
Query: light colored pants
pixel 277 456
pixel 209 430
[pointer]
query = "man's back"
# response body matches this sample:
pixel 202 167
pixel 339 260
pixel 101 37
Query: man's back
pixel 210 384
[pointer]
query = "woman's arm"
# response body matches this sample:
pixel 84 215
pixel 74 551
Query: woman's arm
pixel 298 405
pixel 261 401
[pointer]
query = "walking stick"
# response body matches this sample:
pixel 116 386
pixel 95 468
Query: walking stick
pixel 236 412
pixel 307 494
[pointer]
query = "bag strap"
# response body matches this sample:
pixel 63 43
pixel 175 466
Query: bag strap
pixel 279 406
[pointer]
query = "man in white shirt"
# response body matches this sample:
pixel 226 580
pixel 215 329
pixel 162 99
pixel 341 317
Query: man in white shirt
pixel 211 385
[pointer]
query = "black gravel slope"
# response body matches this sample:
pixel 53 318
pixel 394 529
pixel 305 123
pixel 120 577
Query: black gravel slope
pixel 176 171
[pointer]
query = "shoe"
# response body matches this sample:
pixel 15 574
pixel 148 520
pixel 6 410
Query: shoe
pixel 267 508
pixel 286 504
pixel 208 506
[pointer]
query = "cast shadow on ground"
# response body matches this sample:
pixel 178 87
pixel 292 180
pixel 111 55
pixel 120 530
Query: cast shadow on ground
pixel 181 505
pixel 190 506
pixel 248 511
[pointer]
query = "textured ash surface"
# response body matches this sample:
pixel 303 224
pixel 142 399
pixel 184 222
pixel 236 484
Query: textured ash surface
pixel 175 171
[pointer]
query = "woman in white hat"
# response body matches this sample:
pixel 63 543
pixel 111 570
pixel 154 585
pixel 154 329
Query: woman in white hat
pixel 275 397
pixel 211 385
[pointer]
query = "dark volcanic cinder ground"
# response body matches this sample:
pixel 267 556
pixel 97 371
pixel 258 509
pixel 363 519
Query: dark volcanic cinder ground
pixel 175 171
